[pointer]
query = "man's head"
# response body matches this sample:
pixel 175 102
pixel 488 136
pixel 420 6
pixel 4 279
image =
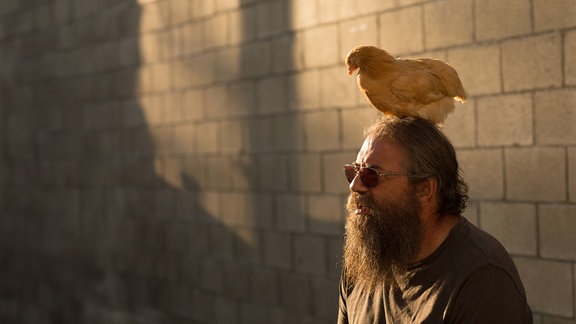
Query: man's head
pixel 427 151
pixel 405 169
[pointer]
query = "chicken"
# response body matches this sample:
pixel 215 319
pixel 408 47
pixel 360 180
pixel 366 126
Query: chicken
pixel 422 88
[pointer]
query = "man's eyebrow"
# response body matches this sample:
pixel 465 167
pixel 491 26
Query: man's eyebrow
pixel 373 166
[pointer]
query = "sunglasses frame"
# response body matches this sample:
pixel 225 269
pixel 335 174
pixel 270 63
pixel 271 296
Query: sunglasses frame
pixel 363 177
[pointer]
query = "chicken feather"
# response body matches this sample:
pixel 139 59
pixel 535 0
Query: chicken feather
pixel 424 88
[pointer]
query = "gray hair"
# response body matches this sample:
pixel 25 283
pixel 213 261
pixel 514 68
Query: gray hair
pixel 428 151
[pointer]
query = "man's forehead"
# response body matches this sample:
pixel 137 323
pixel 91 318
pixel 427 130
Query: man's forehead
pixel 376 151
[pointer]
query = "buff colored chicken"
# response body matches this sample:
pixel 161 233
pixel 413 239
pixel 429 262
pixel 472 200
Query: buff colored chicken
pixel 422 88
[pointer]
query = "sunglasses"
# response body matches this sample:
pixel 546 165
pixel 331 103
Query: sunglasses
pixel 369 176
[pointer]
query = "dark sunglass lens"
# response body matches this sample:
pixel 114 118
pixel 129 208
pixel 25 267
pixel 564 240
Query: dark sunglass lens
pixel 369 177
pixel 350 172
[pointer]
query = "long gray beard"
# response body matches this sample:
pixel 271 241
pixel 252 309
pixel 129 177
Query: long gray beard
pixel 385 239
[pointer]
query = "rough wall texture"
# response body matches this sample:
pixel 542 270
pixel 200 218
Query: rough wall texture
pixel 176 161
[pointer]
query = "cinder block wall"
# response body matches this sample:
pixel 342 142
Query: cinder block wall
pixel 177 161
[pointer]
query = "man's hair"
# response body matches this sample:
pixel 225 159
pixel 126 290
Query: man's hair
pixel 428 151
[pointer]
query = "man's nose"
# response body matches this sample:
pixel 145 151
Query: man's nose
pixel 357 185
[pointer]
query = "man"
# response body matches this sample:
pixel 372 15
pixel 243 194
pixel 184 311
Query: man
pixel 409 255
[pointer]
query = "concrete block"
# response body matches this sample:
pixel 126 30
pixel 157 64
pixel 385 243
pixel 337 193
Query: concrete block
pixel 235 210
pixel 265 286
pixel 557 225
pixel 235 139
pixel 199 9
pixel 295 293
pixel 401 31
pixel 505 120
pixel 325 214
pixel 260 131
pixel 178 238
pixel 191 38
pixel 472 213
pixel 201 69
pixel 274 172
pixel 222 5
pixel 359 31
pixel 209 139
pixel 179 11
pixel 262 211
pixel 101 116
pixel 322 131
pixel 272 95
pixel 329 11
pixel 337 90
pixel 532 63
pixel 61 9
pixel 305 173
pixel 272 18
pixel 483 172
pixel 448 23
pixel 211 276
pixel 256 59
pixel 310 254
pixel 479 68
pixel 186 204
pixel 222 242
pixel 277 249
pixel 287 132
pixel 241 98
pixel 334 249
pixel 570 58
pixel 496 19
pixel 572 173
pixel 161 137
pixel 291 213
pixel 227 310
pixel 555 117
pixel 151 108
pixel 43 16
pixel 203 303
pixel 59 146
pixel 354 122
pixel 191 105
pixel 83 9
pixel 171 107
pixel 218 172
pixel 287 53
pixel 247 244
pixel 524 178
pixel 460 127
pixel 210 204
pixel 169 170
pixel 153 16
pixel 324 298
pixel 181 75
pixel 369 6
pixel 237 280
pixel 334 180
pixel 216 101
pixel 174 38
pixel 242 25
pixel 321 46
pixel 304 14
pixel 548 285
pixel 304 90
pixel 554 16
pixel 514 225
pixel 215 32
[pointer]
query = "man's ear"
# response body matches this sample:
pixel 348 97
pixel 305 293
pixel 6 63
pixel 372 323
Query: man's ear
pixel 427 189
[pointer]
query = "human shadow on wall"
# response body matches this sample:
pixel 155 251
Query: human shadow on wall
pixel 108 216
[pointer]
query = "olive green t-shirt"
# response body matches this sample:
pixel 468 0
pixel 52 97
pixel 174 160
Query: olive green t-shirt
pixel 470 278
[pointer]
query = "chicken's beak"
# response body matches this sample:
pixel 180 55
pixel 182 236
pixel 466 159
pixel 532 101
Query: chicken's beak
pixel 351 69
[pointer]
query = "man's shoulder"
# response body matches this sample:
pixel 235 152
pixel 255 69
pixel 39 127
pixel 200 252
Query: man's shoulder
pixel 480 247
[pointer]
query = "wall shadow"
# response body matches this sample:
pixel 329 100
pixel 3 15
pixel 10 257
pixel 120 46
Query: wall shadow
pixel 136 180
